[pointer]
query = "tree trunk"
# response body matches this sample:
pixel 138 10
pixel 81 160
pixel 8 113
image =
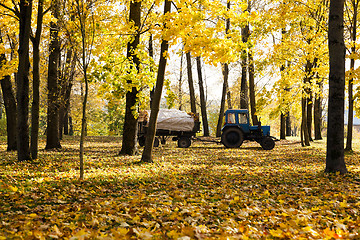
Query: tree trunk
pixel 349 135
pixel 151 54
pixel 150 136
pixel 202 99
pixel 130 125
pixel 65 84
pixel 309 119
pixel 225 66
pixel 10 106
pixel 52 132
pixel 71 128
pixel 22 82
pixel 282 126
pixel 1 103
pixel 288 124
pixel 351 110
pixel 335 132
pixel 83 120
pixel 180 81
pixel 222 105
pixel 252 90
pixel 191 83
pixel 10 110
pixel 244 90
pixel 35 106
pixel 64 108
pixel 317 117
pixel 305 141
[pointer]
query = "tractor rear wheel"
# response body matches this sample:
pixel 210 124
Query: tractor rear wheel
pixel 232 137
pixel 267 143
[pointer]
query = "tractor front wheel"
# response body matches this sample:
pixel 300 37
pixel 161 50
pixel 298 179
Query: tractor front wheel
pixel 232 137
pixel 267 143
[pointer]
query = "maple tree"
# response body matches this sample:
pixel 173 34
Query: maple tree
pixel 52 131
pixel 351 9
pixel 155 106
pixel 22 81
pixel 130 123
pixel 35 105
pixel 202 98
pixel 9 103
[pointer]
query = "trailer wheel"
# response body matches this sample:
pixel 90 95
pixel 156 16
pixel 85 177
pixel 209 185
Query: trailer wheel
pixel 156 142
pixel 184 142
pixel 267 143
pixel 141 141
pixel 232 137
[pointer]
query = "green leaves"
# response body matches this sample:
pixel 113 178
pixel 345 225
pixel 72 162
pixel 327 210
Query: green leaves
pixel 206 191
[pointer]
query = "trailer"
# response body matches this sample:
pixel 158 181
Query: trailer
pixel 171 123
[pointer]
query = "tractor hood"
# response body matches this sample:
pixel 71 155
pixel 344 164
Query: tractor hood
pixel 266 130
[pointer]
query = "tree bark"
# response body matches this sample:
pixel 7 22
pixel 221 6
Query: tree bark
pixel 150 136
pixel 308 97
pixel 222 106
pixel 244 90
pixel 65 84
pixel 288 124
pixel 10 111
pixel 151 54
pixel 225 66
pixel 225 72
pixel 309 111
pixel 350 111
pixel 191 83
pixel 349 136
pixel 35 106
pixel 84 117
pixel 1 101
pixel 10 106
pixel 180 82
pixel 317 117
pixel 252 90
pixel 52 132
pixel 305 141
pixel 282 126
pixel 335 132
pixel 130 124
pixel 202 98
pixel 22 82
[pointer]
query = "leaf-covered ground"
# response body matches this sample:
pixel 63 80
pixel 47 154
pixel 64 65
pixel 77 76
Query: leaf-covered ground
pixel 203 192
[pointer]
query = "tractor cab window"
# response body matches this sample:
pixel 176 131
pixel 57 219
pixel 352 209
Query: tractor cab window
pixel 242 118
pixel 231 118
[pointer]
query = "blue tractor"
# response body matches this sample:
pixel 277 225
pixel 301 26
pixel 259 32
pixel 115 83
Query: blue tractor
pixel 237 128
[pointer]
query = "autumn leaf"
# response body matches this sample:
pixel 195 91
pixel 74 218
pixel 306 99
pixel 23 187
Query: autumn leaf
pixel 203 192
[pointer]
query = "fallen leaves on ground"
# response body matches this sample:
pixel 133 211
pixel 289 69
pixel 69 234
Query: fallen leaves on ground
pixel 202 192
